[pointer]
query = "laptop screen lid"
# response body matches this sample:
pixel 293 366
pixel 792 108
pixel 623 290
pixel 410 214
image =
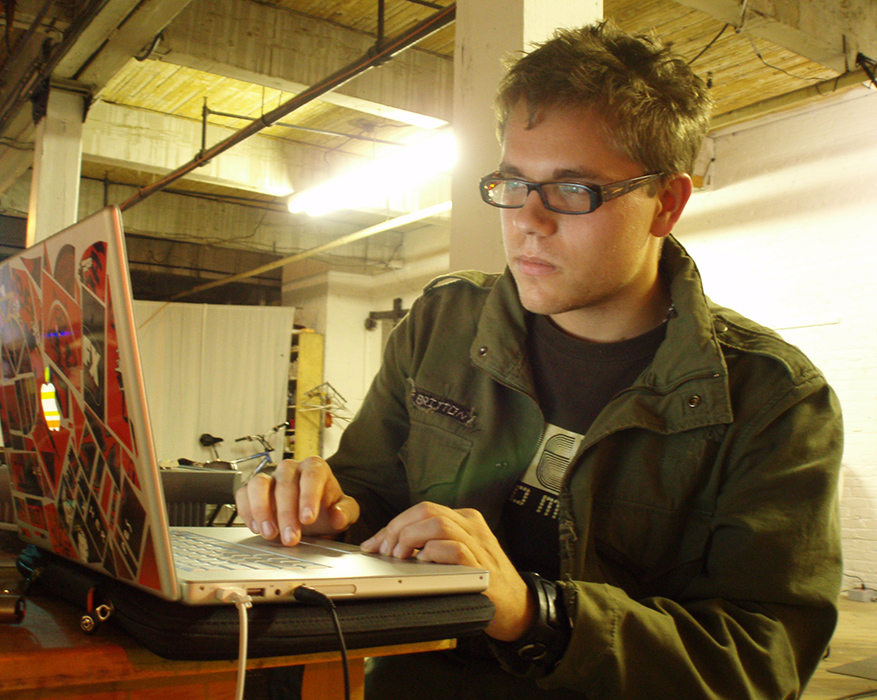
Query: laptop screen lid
pixel 82 481
pixel 85 480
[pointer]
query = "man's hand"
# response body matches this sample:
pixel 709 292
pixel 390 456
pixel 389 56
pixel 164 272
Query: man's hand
pixel 300 498
pixel 439 534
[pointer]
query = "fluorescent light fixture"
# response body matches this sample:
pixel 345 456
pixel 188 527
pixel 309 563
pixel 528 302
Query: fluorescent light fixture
pixel 371 184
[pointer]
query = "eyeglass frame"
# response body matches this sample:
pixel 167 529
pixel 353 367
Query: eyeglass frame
pixel 599 194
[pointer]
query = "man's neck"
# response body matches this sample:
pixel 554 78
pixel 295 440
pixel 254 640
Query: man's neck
pixel 613 322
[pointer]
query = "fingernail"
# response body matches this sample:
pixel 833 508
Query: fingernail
pixel 268 528
pixel 385 548
pixel 307 515
pixel 254 527
pixel 368 544
pixel 288 535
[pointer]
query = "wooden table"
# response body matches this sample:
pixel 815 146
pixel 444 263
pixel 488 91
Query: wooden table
pixel 48 656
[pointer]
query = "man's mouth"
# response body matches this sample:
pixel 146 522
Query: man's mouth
pixel 530 265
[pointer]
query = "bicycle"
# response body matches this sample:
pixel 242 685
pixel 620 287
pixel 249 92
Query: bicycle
pixel 263 457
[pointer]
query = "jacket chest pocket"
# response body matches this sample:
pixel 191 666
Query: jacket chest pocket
pixel 433 457
pixel 651 514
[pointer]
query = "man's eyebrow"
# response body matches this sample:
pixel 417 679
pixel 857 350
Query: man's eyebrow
pixel 569 174
pixel 559 175
pixel 508 170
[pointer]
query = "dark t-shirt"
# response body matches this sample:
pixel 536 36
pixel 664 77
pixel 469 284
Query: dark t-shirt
pixel 574 380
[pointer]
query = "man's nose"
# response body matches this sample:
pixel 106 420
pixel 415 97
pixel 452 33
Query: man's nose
pixel 533 218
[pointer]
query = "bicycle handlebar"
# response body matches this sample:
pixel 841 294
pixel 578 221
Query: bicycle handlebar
pixel 264 435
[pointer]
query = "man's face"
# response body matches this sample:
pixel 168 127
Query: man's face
pixel 585 269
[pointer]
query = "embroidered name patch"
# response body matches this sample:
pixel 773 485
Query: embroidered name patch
pixel 429 402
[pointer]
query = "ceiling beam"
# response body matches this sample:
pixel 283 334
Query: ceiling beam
pixel 125 28
pixel 827 33
pixel 276 48
pixel 151 142
pixel 796 98
pixel 100 50
pixel 372 58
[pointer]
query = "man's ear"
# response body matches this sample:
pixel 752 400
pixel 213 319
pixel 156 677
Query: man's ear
pixel 672 198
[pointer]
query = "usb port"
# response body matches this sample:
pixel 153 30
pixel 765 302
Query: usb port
pixel 256 592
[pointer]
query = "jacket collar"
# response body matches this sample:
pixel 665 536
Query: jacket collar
pixel 686 385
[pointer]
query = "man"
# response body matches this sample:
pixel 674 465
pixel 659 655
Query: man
pixel 650 479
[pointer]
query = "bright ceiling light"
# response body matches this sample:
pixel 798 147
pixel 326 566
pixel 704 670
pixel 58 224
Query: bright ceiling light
pixel 371 184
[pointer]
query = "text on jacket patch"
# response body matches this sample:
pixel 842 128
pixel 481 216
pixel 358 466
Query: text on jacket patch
pixel 429 402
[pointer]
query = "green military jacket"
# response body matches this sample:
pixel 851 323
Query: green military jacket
pixel 699 535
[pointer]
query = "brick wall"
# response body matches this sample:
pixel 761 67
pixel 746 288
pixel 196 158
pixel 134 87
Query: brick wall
pixel 786 233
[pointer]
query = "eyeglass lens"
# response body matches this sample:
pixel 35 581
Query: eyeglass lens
pixel 562 196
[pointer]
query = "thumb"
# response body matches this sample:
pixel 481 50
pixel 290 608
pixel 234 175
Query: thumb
pixel 344 513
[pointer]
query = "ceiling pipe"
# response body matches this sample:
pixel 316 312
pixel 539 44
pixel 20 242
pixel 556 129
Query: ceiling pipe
pixel 310 252
pixel 374 57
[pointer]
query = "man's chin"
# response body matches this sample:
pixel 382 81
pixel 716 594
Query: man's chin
pixel 540 305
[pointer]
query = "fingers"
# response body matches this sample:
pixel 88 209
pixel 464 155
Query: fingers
pixel 443 535
pixel 434 533
pixel 255 503
pixel 344 513
pixel 316 483
pixel 300 498
pixel 323 506
pixel 286 500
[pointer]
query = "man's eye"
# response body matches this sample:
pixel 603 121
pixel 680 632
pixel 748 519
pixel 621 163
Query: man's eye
pixel 568 189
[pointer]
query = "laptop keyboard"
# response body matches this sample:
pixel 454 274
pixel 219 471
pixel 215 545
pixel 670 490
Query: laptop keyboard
pixel 198 553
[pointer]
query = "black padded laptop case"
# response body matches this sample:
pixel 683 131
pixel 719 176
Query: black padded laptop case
pixel 176 631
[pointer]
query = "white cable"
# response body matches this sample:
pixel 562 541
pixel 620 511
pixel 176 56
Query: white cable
pixel 242 601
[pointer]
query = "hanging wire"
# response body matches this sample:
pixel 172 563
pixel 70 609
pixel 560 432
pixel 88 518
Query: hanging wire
pixel 708 46
pixel 868 65
pixel 781 70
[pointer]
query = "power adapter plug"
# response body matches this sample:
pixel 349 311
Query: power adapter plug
pixel 861 595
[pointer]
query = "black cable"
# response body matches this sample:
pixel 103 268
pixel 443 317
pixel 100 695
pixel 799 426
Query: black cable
pixel 311 596
pixel 861 580
pixel 863 586
pixel 868 65
pixel 707 47
pixel 773 67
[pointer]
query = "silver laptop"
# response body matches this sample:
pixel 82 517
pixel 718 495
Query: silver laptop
pixel 84 478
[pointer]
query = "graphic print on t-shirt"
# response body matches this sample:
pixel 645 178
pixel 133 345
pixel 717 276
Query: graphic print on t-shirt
pixel 532 510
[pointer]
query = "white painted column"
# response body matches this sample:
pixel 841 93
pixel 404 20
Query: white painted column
pixel 487 32
pixel 54 189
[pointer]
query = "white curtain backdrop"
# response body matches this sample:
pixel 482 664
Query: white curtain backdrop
pixel 222 370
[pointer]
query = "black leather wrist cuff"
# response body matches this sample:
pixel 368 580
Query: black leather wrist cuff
pixel 541 647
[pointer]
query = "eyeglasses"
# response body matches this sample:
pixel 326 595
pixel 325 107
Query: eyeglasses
pixel 562 197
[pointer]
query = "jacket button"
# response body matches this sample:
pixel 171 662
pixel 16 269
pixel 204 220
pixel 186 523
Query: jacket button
pixel 482 351
pixel 720 326
pixel 694 401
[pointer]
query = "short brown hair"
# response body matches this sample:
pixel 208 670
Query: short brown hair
pixel 657 110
